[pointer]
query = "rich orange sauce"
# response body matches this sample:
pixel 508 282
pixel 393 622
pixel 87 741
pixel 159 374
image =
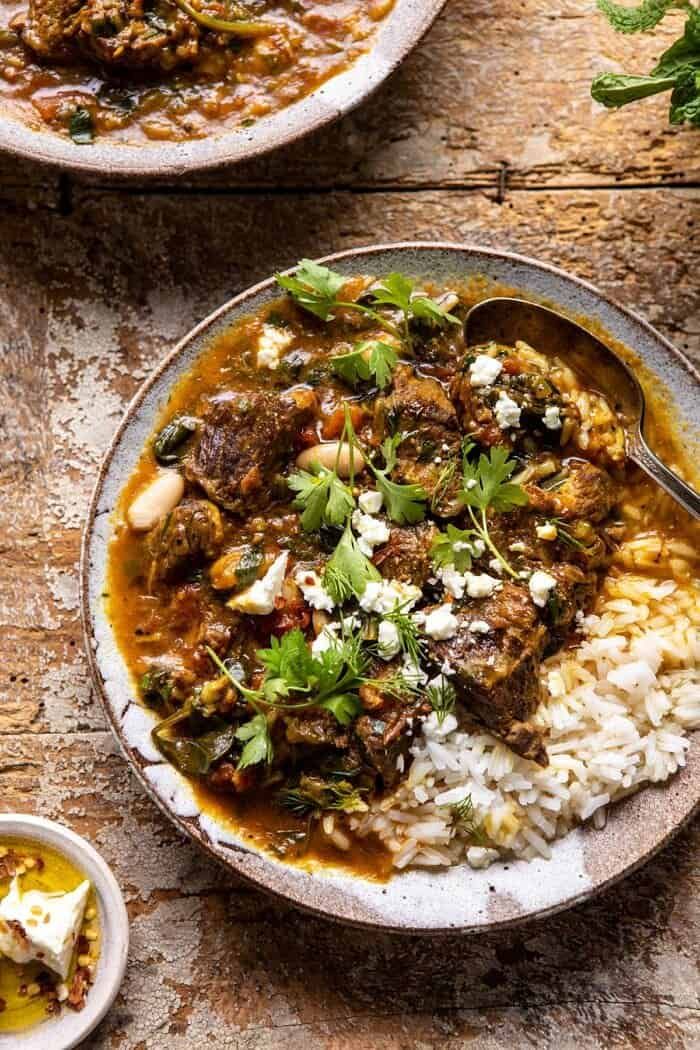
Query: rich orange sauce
pixel 228 362
pixel 228 87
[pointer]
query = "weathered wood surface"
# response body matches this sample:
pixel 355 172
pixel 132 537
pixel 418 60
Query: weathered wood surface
pixel 95 283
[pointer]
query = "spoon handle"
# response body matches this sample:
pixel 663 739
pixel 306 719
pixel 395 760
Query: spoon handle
pixel 688 498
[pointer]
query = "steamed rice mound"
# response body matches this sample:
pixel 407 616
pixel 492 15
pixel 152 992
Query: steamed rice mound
pixel 617 710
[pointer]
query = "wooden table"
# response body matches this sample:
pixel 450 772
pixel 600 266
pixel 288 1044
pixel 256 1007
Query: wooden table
pixel 486 134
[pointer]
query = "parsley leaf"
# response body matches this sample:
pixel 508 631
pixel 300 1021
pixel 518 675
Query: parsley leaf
pixel 258 745
pixel 322 496
pixel 486 486
pixel 344 706
pixel 289 665
pixel 371 359
pixel 348 571
pixel 313 287
pixel 398 291
pixel 454 547
pixel 405 504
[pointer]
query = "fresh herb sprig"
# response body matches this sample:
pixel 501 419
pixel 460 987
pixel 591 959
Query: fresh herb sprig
pixel 311 796
pixel 348 570
pixel 316 288
pixel 372 359
pixel 405 504
pixel 677 71
pixel 486 486
pixel 443 697
pixel 407 629
pixel 464 818
pixel 322 496
pixel 454 547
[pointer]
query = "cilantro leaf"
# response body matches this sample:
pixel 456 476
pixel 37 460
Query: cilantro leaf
pixel 348 571
pixel 405 504
pixel 371 359
pixel 313 287
pixel 258 745
pixel 454 547
pixel 322 496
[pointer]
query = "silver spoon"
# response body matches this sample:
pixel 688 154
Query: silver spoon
pixel 505 320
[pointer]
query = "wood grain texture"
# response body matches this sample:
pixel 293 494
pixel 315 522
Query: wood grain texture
pixel 485 135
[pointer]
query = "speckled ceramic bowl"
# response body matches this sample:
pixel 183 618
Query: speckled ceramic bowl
pixel 585 861
pixel 396 37
pixel 69 1028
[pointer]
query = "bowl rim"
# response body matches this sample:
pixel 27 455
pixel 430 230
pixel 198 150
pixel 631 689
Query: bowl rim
pixel 331 100
pixel 115 949
pixel 230 859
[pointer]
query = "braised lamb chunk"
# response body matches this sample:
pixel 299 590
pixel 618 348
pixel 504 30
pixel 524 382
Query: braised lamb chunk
pixel 419 408
pixel 124 33
pixel 191 533
pixel 496 673
pixel 406 556
pixel 579 490
pixel 244 440
pixel 315 728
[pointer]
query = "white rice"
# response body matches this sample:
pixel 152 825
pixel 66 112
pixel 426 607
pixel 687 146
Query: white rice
pixel 617 714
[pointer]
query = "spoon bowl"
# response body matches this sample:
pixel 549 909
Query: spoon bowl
pixel 509 320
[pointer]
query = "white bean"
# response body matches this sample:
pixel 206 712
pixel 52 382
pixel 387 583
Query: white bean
pixel 157 499
pixel 327 454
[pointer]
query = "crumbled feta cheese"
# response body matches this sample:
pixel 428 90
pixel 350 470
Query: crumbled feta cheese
pixel 471 484
pixel 413 672
pixel 447 668
pixel 551 418
pixel 481 856
pixel 441 623
pixel 271 343
pixel 370 531
pixel 517 547
pixel 454 582
pixel 381 596
pixel 495 566
pixel 479 627
pixel 548 531
pixel 328 638
pixel 370 502
pixel 314 592
pixel 259 598
pixel 506 411
pixel 484 370
pixel 541 583
pixel 50 924
pixel 480 585
pixel 388 643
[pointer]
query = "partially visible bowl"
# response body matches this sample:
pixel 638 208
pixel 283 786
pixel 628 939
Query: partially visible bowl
pixel 69 1028
pixel 396 37
pixel 459 899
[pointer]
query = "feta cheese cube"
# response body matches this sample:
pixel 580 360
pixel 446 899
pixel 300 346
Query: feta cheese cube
pixel 484 370
pixel 50 924
pixel 481 585
pixel 309 583
pixel 388 643
pixel 506 411
pixel 371 532
pixel 548 531
pixel 454 582
pixel 551 418
pixel 370 502
pixel 259 598
pixel 441 623
pixel 541 583
pixel 272 342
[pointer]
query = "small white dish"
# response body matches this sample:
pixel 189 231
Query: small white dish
pixel 69 1028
